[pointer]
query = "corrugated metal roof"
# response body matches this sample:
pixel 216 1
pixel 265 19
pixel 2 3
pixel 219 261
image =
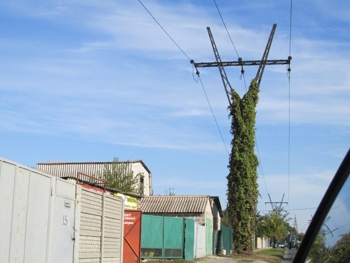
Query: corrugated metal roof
pixel 174 204
pixel 70 169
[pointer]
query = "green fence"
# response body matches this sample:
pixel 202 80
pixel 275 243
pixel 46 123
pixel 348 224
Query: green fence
pixel 162 237
pixel 209 236
pixel 227 238
pixel 189 240
pixel 217 242
pixel 174 237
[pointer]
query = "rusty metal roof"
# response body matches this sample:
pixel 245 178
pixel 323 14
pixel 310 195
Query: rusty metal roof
pixel 174 204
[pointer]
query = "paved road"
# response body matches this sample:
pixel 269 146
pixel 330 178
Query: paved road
pixel 289 255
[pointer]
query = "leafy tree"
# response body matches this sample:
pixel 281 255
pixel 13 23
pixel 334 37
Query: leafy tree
pixel 274 226
pixel 242 179
pixel 120 176
pixel 340 252
pixel 318 248
pixel 259 232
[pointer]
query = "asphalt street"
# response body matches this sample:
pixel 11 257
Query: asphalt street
pixel 289 255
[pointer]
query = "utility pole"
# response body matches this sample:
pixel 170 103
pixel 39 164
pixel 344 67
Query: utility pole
pixel 274 204
pixel 295 223
pixel 242 206
pixel 221 65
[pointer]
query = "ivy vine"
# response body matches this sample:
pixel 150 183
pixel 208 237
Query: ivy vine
pixel 242 178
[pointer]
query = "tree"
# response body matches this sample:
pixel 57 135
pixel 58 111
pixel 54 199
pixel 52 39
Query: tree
pixel 259 232
pixel 120 176
pixel 339 253
pixel 318 248
pixel 274 226
pixel 242 184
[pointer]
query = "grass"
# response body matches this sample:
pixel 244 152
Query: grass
pixel 167 261
pixel 272 252
pixel 273 255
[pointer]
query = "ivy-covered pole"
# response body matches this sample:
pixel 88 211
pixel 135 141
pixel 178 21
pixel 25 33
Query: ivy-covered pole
pixel 242 178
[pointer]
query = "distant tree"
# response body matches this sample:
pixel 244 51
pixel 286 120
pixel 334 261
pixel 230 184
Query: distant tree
pixel 259 225
pixel 318 248
pixel 242 183
pixel 274 226
pixel 119 176
pixel 339 253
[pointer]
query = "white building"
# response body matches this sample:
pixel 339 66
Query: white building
pixel 71 169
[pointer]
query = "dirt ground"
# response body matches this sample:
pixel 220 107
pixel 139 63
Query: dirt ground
pixel 228 259
pixel 241 259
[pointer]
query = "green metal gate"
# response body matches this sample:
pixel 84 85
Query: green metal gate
pixel 227 239
pixel 173 237
pixel 189 239
pixel 162 237
pixel 209 236
pixel 151 236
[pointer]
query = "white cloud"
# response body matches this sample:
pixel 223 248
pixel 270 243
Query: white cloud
pixel 105 72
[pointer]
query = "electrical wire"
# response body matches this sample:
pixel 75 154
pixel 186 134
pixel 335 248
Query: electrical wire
pixel 226 28
pixel 234 47
pixel 242 71
pixel 192 72
pixel 289 93
pixel 245 86
pixel 211 109
pixel 164 30
pixel 296 209
pixel 290 27
pixel 260 165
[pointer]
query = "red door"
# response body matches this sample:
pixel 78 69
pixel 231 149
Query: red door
pixel 132 236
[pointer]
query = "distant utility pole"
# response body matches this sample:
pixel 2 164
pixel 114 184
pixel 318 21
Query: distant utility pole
pixel 274 204
pixel 295 223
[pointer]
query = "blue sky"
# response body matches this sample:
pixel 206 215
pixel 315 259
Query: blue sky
pixel 93 80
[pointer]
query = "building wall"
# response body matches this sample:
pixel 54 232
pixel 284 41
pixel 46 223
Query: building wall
pixel 137 167
pixel 208 211
pixel 216 216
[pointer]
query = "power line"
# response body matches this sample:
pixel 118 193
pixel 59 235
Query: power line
pixel 226 28
pixel 295 209
pixel 234 47
pixel 290 27
pixel 192 72
pixel 289 95
pixel 211 109
pixel 245 86
pixel 260 165
pixel 308 208
pixel 164 30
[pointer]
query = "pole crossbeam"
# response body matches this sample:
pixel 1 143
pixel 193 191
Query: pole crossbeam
pixel 275 208
pixel 242 63
pixel 222 64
